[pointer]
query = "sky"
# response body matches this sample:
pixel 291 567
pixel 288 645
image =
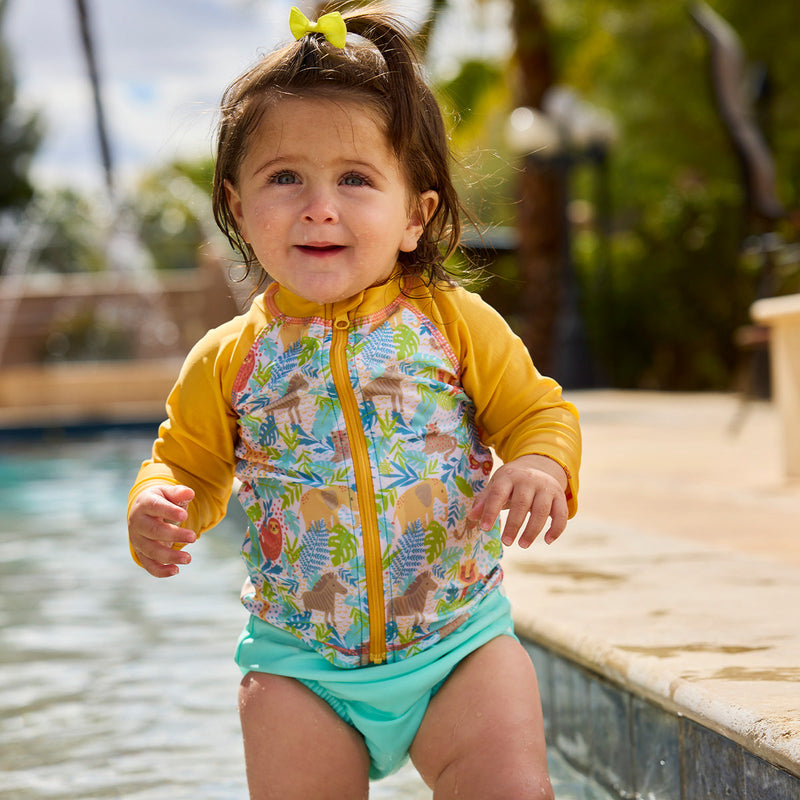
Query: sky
pixel 164 65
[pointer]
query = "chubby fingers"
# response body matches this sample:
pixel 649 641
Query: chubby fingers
pixel 160 547
pixel 156 533
pixel 158 568
pixel 528 495
pixel 558 513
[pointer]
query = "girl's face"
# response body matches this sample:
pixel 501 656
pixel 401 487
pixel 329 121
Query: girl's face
pixel 322 200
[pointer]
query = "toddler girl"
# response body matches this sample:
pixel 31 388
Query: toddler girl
pixel 355 403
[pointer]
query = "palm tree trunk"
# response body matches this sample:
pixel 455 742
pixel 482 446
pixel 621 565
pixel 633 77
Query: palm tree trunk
pixel 541 220
pixel 87 42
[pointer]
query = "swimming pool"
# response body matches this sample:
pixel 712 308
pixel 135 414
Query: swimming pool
pixel 114 684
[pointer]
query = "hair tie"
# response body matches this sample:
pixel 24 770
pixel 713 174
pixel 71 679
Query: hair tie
pixel 331 26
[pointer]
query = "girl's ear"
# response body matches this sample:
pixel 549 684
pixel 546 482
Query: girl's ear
pixel 235 205
pixel 422 211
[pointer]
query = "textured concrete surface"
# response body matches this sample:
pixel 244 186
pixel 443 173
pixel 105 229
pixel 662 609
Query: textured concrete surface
pixel 680 576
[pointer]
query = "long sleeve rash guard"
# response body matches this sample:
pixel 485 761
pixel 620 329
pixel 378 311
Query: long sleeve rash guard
pixel 360 435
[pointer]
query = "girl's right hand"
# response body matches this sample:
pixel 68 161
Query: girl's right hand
pixel 154 528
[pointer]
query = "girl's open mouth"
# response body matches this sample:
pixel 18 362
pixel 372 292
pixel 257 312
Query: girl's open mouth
pixel 320 249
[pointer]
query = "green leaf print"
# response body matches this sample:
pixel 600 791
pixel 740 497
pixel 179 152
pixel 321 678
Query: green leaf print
pixel 384 500
pixel 359 618
pixel 339 476
pixel 406 341
pixel 431 468
pixel 292 495
pixel 407 636
pixel 325 406
pixel 388 425
pixel 434 398
pixel 464 486
pixel 398 451
pixel 451 561
pixel 268 593
pixel 322 632
pixel 342 544
pixel 291 604
pixel 308 349
pixel 435 541
pixel 292 549
pixel 389 556
pixel 262 373
pixel 305 463
pixel 445 607
pixel 254 513
pixel 290 436
pixel 494 548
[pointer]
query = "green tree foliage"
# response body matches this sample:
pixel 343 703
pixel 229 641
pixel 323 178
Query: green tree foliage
pixel 664 292
pixel 75 238
pixel 173 209
pixel 676 285
pixel 19 135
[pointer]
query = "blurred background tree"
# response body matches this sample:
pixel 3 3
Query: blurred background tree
pixel 19 135
pixel 664 289
pixel 657 232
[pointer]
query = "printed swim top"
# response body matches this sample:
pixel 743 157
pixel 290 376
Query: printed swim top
pixel 359 434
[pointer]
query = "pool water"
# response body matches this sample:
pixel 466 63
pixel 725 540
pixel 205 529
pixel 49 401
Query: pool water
pixel 114 684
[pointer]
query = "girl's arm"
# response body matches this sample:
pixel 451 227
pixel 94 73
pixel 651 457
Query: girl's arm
pixel 193 457
pixel 522 415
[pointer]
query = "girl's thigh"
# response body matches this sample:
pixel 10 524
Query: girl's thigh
pixel 296 746
pixel 482 736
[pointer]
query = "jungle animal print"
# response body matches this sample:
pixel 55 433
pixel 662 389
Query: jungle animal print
pixel 412 601
pixel 401 449
pixel 323 596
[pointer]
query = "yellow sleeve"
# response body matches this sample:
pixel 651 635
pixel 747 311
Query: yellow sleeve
pixel 195 445
pixel 518 410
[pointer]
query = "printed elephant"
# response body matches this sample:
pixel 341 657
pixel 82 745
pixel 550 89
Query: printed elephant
pixel 322 505
pixel 417 503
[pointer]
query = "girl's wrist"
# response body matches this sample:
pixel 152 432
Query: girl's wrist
pixel 545 464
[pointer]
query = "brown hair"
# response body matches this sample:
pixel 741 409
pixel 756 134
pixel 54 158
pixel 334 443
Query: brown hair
pixel 383 71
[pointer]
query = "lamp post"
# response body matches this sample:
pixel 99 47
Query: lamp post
pixel 566 132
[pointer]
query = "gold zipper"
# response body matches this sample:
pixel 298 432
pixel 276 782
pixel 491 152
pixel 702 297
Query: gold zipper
pixel 373 561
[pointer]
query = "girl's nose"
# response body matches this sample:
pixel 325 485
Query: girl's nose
pixel 320 206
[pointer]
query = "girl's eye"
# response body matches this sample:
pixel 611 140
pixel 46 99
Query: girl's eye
pixel 284 178
pixel 353 179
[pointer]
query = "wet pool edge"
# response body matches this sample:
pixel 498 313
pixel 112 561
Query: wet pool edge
pixel 636 748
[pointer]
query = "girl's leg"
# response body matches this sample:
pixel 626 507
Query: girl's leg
pixel 296 747
pixel 482 736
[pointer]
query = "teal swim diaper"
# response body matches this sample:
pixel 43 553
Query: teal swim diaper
pixel 384 702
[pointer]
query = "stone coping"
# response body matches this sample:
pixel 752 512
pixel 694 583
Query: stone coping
pixel 704 633
pixel 636 749
pixel 680 577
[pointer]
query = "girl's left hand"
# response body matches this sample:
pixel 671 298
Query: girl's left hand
pixel 534 485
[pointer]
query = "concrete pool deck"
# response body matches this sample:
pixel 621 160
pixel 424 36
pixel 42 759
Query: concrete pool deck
pixel 677 586
pixel 680 577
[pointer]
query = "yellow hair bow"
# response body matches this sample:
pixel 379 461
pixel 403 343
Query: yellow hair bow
pixel 331 26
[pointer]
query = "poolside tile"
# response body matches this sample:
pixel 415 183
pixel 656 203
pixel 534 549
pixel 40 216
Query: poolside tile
pixel 612 750
pixel 763 781
pixel 657 752
pixel 572 713
pixel 713 766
